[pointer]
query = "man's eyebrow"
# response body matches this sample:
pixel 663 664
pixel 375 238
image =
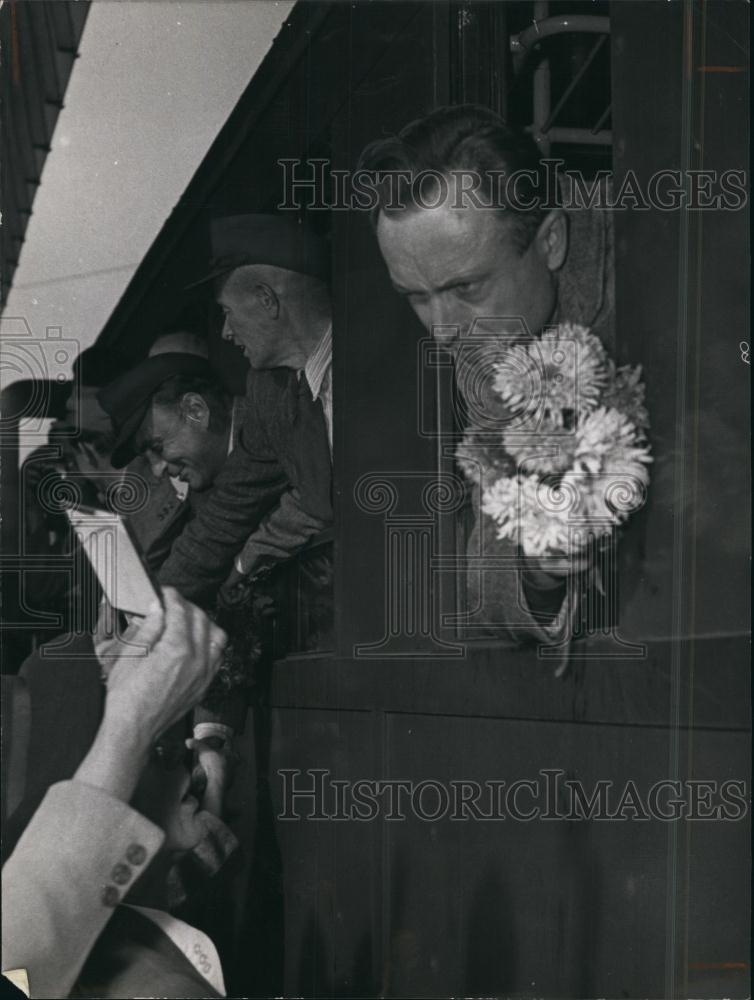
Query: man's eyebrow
pixel 461 279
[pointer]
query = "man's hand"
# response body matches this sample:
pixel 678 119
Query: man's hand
pixel 214 762
pixel 544 584
pixel 112 641
pixel 148 693
pixel 183 653
pixel 235 590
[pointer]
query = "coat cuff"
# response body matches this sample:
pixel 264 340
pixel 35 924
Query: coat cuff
pixel 76 860
pixel 118 843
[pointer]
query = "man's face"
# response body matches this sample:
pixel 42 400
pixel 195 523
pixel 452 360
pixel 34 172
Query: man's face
pixel 458 265
pixel 83 412
pixel 181 446
pixel 249 323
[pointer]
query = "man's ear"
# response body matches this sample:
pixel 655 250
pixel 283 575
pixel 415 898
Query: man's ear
pixel 195 410
pixel 552 238
pixel 267 299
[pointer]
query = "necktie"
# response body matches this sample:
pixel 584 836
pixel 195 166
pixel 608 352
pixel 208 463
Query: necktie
pixel 311 450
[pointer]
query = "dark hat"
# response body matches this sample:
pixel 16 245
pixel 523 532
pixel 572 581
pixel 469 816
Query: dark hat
pixel 127 399
pixel 96 366
pixel 274 240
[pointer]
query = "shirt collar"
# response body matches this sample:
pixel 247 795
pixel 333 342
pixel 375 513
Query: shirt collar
pixel 319 363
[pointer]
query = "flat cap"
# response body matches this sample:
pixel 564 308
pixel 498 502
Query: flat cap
pixel 274 240
pixel 127 399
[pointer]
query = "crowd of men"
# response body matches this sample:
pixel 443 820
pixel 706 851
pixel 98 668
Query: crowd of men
pixel 231 487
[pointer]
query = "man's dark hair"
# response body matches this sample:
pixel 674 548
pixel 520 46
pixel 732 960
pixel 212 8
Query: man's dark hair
pixel 472 139
pixel 218 401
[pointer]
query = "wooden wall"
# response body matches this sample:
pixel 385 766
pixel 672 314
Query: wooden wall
pixel 511 908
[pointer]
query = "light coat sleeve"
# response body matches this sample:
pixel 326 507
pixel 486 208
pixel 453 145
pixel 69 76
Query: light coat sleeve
pixel 77 858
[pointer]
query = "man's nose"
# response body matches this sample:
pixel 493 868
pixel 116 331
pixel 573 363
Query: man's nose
pixel 227 333
pixel 445 334
pixel 440 322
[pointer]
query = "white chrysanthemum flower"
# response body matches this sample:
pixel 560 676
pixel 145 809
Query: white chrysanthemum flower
pixel 547 450
pixel 532 454
pixel 499 501
pixel 605 437
pixel 530 513
pixel 613 458
pixel 565 459
pixel 560 374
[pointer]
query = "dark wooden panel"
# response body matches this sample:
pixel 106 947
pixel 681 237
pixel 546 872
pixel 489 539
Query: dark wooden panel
pixel 376 336
pixel 507 682
pixel 556 907
pixel 479 57
pixel 424 906
pixel 682 308
pixel 331 867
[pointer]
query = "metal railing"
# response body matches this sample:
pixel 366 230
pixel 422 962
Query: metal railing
pixel 543 128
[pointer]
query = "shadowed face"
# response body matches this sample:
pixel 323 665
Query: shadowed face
pixel 178 441
pixel 457 265
pixel 84 413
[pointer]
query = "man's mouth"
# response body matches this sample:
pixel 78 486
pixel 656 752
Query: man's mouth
pixel 240 345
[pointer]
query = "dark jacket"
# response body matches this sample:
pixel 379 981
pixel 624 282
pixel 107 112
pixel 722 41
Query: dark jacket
pixel 282 447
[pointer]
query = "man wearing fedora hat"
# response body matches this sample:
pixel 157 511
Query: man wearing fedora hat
pixel 173 419
pixel 270 277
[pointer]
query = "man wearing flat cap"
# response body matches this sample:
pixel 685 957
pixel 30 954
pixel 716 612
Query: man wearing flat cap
pixel 270 277
pixel 172 412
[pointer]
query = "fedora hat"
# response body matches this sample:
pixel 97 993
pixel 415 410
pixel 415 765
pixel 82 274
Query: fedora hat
pixel 274 240
pixel 127 399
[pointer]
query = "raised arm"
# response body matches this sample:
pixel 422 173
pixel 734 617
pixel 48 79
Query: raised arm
pixel 85 846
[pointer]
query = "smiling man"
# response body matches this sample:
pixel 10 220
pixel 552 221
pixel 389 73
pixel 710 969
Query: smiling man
pixel 185 432
pixel 477 244
pixel 172 411
pixel 173 431
pixel 270 277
